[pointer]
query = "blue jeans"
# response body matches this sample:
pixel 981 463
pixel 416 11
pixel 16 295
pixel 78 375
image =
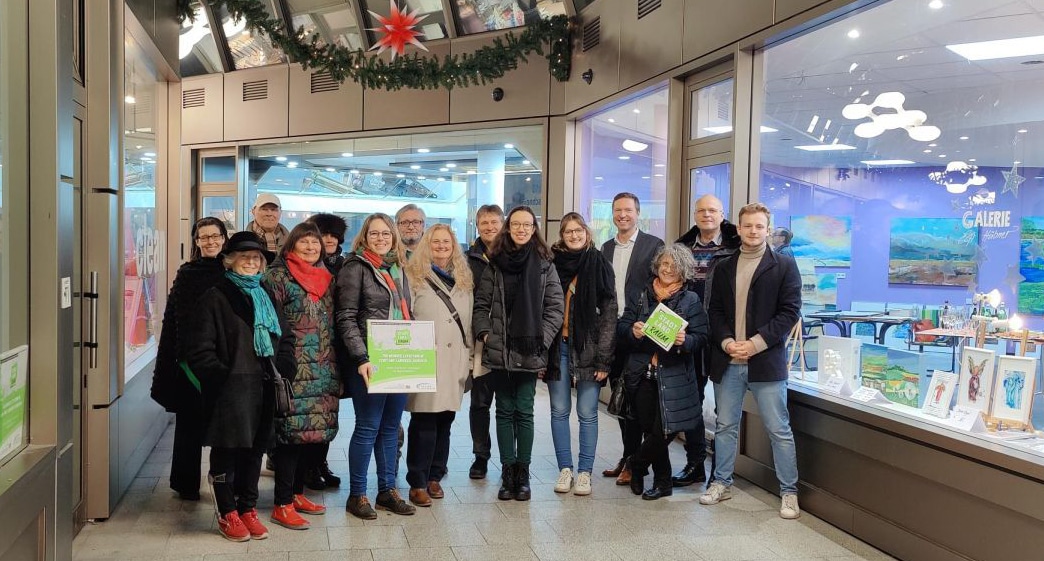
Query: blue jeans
pixel 377 418
pixel 586 411
pixel 772 406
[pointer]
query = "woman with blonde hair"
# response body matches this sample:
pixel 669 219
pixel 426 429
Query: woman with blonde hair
pixel 372 285
pixel 441 286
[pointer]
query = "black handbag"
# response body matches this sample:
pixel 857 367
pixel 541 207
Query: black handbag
pixel 618 406
pixel 283 392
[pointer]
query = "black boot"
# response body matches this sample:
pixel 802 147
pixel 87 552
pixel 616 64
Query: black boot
pixel 522 490
pixel 313 479
pixel 508 483
pixel 638 473
pixel 328 476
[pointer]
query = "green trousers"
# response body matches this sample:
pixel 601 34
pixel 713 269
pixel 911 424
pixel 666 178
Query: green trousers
pixel 514 393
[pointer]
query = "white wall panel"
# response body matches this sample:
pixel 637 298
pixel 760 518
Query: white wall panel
pixel 202 109
pixel 319 105
pixel 526 90
pixel 713 24
pixel 652 44
pixel 407 108
pixel 603 60
pixel 790 8
pixel 256 103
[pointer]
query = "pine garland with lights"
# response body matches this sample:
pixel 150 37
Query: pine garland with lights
pixel 485 65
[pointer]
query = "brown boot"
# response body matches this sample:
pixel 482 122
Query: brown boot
pixel 420 497
pixel 435 490
pixel 391 501
pixel 359 506
pixel 625 476
pixel 615 471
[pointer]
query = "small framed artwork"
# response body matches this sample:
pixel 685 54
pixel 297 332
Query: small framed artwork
pixel 976 384
pixel 1013 389
pixel 940 394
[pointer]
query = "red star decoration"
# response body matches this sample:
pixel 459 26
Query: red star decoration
pixel 398 30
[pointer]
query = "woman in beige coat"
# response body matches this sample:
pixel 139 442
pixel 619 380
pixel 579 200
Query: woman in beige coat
pixel 441 286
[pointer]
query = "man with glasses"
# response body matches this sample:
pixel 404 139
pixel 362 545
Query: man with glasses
pixel 410 222
pixel 711 239
pixel 631 253
pixel 489 220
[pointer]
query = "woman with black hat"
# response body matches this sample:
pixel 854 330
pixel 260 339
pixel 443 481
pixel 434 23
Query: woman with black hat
pixel 173 385
pixel 237 338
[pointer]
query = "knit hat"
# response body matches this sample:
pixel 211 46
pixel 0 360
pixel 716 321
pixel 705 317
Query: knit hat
pixel 330 224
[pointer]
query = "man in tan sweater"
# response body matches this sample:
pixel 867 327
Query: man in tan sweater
pixel 754 302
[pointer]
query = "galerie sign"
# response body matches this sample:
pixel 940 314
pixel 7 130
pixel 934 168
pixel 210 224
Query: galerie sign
pixel 987 219
pixel 402 354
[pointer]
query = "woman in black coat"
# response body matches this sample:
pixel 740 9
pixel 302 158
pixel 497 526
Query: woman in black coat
pixel 518 312
pixel 662 383
pixel 174 386
pixel 582 352
pixel 237 340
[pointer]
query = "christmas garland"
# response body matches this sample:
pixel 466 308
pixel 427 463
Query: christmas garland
pixel 415 72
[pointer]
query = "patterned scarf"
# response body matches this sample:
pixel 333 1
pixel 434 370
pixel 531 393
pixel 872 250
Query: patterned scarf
pixel 388 268
pixel 265 319
pixel 314 279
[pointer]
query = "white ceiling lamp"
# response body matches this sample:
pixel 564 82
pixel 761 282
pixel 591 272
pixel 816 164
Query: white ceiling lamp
pixel 728 128
pixel 958 177
pixel 346 154
pixel 423 150
pixel 330 170
pixel 854 34
pixel 129 99
pixel 887 162
pixel 1002 48
pixel 935 4
pixel 400 175
pixel 634 145
pixel 910 120
pixel 825 147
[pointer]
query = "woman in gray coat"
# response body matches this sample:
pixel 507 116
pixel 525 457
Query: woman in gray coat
pixel 441 285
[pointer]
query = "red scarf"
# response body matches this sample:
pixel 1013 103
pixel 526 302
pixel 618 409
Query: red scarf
pixel 314 279
pixel 385 269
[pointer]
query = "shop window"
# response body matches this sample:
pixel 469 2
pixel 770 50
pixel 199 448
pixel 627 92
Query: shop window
pixel 197 49
pixel 431 27
pixel 334 22
pixel 477 16
pixel 711 110
pixel 624 148
pixel 249 49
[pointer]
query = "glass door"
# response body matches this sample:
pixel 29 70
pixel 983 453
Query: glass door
pixel 710 175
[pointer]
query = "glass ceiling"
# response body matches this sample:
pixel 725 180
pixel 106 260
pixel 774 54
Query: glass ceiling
pixel 207 48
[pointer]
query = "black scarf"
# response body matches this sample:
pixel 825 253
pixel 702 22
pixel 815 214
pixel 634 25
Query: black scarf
pixel 594 277
pixel 523 294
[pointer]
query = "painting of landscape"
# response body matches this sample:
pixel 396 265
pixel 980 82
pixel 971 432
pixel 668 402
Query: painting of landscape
pixel 896 373
pixel 827 240
pixel 932 251
pixel 1031 266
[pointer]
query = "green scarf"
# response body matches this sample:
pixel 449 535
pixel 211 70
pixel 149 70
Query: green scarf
pixel 265 319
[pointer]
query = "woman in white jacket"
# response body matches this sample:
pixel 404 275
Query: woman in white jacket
pixel 441 287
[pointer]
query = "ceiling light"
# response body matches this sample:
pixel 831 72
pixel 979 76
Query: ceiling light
pixel 935 4
pixel 378 173
pixel 354 171
pixel 659 165
pixel 331 170
pixel 291 164
pixel 812 124
pixel 414 166
pixel 423 150
pixel 624 157
pixel 421 177
pixel 443 170
pixel 526 162
pixel 1022 131
pixel 853 67
pixel 129 99
pixel 942 155
pixel 400 175
pixel 645 177
pixel 964 138
pixel 611 120
pixel 718 130
pixel 442 179
pixel 853 34
pixel 657 175
pixel 927 150
pixel 634 145
pixel 599 178
pixel 150 154
pixel 887 162
pixel 1017 162
pixel 825 147
pixel 472 172
pixel 280 158
pixel 346 154
pixel 972 160
pixel 636 111
pixel 451 165
pixel 529 179
pixel 1001 48
pixel 932 145
pixel 509 146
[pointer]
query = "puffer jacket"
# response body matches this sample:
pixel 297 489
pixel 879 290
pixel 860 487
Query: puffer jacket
pixel 317 386
pixel 490 319
pixel 597 354
pixel 680 404
pixel 362 294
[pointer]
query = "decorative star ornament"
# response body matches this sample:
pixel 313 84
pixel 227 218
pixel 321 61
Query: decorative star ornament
pixel 980 256
pixel 397 29
pixel 1012 180
pixel 1013 278
pixel 1035 249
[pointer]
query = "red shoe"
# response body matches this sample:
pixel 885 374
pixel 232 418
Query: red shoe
pixel 253 525
pixel 287 517
pixel 305 506
pixel 233 528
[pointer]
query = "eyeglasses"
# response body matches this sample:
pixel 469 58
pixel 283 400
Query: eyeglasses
pixel 573 232
pixel 379 235
pixel 524 226
pixel 414 223
pixel 210 238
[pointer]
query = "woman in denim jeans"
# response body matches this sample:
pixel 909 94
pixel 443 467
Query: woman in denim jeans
pixel 581 354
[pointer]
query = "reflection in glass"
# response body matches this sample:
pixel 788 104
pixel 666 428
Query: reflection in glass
pixel 711 110
pixel 144 240
pixel 333 21
pixel 477 16
pixel 433 26
pixel 710 180
pixel 624 148
pixel 448 174
pixel 196 46
pixel 249 49
pixel 222 208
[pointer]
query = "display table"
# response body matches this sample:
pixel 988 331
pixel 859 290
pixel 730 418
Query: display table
pixel 844 320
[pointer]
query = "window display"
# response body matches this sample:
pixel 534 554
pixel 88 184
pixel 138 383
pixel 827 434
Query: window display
pixel 908 176
pixel 477 16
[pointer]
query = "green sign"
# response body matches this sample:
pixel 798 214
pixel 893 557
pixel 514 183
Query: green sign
pixel 663 326
pixel 13 369
pixel 402 354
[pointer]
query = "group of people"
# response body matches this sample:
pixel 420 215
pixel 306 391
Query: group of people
pixel 269 303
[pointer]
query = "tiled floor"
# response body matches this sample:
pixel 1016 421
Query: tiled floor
pixel 470 524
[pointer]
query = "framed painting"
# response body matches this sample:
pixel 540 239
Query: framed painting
pixel 1013 389
pixel 932 251
pixel 976 383
pixel 1031 265
pixel 940 394
pixel 826 240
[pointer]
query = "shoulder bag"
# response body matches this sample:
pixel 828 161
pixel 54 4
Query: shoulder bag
pixel 460 325
pixel 282 390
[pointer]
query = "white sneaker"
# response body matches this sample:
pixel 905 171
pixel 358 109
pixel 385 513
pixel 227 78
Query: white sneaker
pixel 583 484
pixel 789 509
pixel 565 481
pixel 716 492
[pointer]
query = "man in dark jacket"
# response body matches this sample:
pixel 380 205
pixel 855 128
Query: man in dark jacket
pixel 631 253
pixel 755 301
pixel 489 219
pixel 711 239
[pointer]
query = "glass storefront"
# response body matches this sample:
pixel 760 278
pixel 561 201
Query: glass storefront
pixel 477 16
pixel 144 238
pixel 447 174
pixel 624 148
pixel 908 168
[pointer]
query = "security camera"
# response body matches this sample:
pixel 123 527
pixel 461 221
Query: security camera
pixel 498 94
pixel 588 75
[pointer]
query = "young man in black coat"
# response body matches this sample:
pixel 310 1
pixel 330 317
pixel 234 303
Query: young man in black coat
pixel 631 253
pixel 755 301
